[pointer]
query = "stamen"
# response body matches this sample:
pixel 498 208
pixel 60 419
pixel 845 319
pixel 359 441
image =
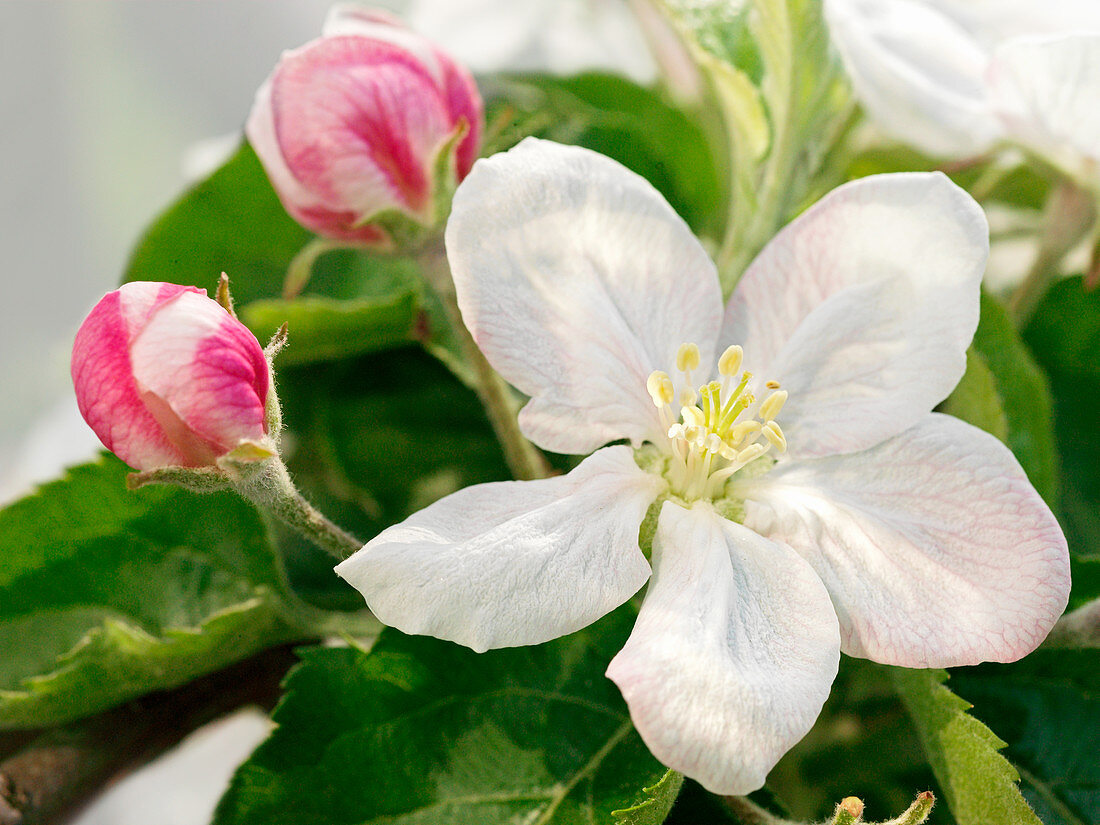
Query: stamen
pixel 687 358
pixel 693 415
pixel 708 445
pixel 731 359
pixel 771 406
pixel 753 451
pixel 660 388
pixel 775 436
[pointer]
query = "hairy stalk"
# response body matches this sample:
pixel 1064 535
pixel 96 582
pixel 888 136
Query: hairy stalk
pixel 524 459
pixel 60 770
pixel 272 490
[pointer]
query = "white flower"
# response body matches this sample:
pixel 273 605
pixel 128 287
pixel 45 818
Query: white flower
pixel 953 78
pixel 557 36
pixel 883 531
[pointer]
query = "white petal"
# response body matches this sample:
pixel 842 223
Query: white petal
pixel 991 21
pixel 863 309
pixel 513 562
pixel 733 654
pixel 935 548
pixel 1046 92
pixel 578 280
pixel 918 73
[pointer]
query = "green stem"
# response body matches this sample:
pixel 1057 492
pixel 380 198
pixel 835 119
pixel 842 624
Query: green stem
pixel 1070 212
pixel 300 269
pixel 271 489
pixel 524 459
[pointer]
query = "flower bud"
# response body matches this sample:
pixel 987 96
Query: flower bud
pixel 166 377
pixel 366 131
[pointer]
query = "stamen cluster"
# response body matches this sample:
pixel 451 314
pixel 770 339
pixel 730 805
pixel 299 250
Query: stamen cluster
pixel 720 426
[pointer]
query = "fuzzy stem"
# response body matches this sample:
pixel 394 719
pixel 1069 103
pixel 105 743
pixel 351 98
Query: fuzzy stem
pixel 524 459
pixel 272 490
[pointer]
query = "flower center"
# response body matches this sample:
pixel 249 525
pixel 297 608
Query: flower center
pixel 721 427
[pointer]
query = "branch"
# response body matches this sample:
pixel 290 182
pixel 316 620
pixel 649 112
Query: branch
pixel 61 769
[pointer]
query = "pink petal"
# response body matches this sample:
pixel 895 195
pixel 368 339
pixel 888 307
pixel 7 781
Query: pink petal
pixel 577 280
pixel 733 654
pixel 935 549
pixel 102 373
pixel 514 562
pixel 195 364
pixel 863 309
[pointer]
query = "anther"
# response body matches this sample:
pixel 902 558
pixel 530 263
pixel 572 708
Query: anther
pixel 692 415
pixel 714 443
pixel 731 359
pixel 771 406
pixel 751 452
pixel 660 388
pixel 744 429
pixel 772 385
pixel 687 357
pixel 775 436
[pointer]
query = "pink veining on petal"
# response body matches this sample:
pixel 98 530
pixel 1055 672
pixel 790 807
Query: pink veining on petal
pixel 357 121
pixel 102 374
pixel 203 375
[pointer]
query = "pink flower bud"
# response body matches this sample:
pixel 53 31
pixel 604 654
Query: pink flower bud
pixel 369 119
pixel 166 377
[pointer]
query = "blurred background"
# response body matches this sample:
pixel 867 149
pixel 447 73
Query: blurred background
pixel 104 104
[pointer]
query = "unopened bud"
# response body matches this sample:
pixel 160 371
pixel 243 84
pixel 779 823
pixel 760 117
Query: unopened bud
pixel 364 131
pixel 166 377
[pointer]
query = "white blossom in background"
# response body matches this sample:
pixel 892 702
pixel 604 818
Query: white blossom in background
pixel 954 77
pixel 862 523
pixel 557 36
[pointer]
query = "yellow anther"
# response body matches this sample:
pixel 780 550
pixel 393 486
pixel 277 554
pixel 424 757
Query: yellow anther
pixel 731 359
pixel 676 431
pixel 772 385
pixel 742 430
pixel 687 357
pixel 660 388
pixel 692 415
pixel 694 434
pixel 751 452
pixel 727 452
pixel 714 443
pixel 773 404
pixel 775 436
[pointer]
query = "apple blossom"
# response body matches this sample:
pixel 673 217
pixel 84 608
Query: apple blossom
pixel 953 79
pixel 365 131
pixel 168 378
pixel 821 510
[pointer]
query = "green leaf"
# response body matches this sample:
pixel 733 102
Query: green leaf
pixel 423 731
pixel 323 329
pixel 1064 334
pixel 231 222
pixel 655 807
pixel 785 103
pixel 107 594
pixel 976 400
pixel 1047 707
pixel 1005 393
pixel 636 126
pixel 979 782
pixel 377 438
pixel 356 301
